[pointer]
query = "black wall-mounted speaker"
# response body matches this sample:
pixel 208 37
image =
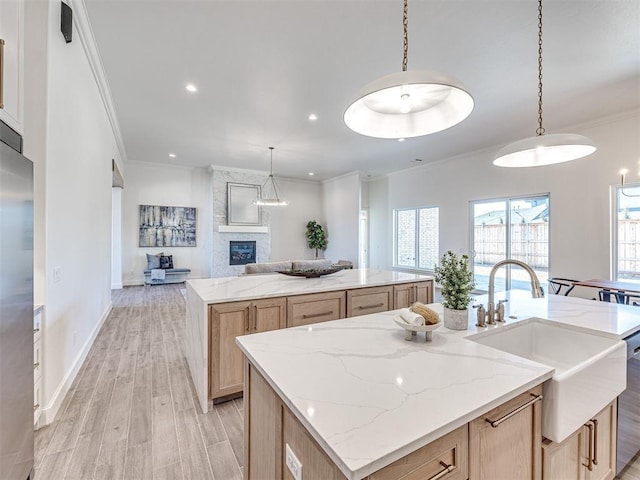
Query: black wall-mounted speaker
pixel 66 22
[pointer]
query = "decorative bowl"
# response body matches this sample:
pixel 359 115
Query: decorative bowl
pixel 412 330
pixel 310 272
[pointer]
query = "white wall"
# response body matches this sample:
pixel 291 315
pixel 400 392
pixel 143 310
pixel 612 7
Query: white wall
pixel 78 147
pixel 341 200
pixel 116 237
pixel 380 221
pixel 580 197
pixel 167 185
pixel 289 224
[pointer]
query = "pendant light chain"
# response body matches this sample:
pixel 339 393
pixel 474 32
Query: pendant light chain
pixel 540 129
pixel 405 26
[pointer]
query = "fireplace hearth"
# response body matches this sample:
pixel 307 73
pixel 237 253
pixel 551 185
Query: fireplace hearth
pixel 242 252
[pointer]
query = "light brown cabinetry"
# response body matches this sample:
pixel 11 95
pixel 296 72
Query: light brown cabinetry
pixel 314 308
pixel 363 301
pixel 228 321
pixel 588 454
pixel 408 293
pixel 505 443
pixel 507 451
pixel 445 458
pixel 316 464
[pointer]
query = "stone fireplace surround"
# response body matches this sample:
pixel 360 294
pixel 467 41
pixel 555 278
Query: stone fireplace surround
pixel 223 233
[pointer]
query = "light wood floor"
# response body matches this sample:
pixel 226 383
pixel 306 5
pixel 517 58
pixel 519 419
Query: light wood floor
pixel 131 412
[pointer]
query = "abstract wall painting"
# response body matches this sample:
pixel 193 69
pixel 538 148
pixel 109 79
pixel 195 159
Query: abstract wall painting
pixel 167 226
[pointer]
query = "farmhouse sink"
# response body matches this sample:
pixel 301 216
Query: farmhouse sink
pixel 590 370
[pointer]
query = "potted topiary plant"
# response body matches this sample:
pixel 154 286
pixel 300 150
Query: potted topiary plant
pixel 316 236
pixel 456 280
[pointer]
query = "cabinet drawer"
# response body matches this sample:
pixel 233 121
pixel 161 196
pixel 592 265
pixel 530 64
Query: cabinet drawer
pixel 321 307
pixel 369 300
pixel 445 458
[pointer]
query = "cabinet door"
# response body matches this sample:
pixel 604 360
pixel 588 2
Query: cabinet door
pixel 512 447
pixel 565 460
pixel 369 300
pixel 424 292
pixel 604 444
pixel 403 295
pixel 270 314
pixel 11 32
pixel 226 322
pixel 318 307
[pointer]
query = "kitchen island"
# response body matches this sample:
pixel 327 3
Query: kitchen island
pixel 354 400
pixel 220 309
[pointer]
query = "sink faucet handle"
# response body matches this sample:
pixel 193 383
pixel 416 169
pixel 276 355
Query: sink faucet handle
pixel 500 310
pixel 482 313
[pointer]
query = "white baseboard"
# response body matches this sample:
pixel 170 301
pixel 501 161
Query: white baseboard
pixel 116 286
pixel 50 411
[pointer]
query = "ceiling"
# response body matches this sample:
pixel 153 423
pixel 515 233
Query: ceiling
pixel 261 67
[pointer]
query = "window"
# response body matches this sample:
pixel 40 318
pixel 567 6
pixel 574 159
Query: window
pixel 416 238
pixel 515 228
pixel 626 230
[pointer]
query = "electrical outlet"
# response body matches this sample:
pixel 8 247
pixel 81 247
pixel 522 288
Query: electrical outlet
pixel 57 274
pixel 293 464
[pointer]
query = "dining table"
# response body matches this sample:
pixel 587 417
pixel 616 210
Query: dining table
pixel 628 287
pixel 617 288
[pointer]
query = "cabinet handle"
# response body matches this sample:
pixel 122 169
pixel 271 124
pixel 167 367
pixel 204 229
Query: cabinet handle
pixel 370 306
pixel 1 73
pixel 36 365
pixel 595 441
pixel 495 423
pixel 247 321
pixel 255 318
pixel 315 315
pixel 415 294
pixel 589 464
pixel 447 469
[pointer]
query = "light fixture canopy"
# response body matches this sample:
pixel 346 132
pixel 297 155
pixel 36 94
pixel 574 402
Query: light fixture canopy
pixel 269 196
pixel 408 104
pixel 543 149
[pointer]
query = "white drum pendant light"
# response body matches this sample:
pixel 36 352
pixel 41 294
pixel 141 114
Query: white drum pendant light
pixel 269 196
pixel 408 103
pixel 543 149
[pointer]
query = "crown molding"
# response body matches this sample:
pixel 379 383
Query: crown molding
pixel 85 32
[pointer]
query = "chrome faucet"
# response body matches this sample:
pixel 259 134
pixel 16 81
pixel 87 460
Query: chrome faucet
pixel 536 289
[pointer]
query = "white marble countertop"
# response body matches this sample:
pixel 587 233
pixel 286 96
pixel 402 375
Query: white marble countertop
pixel 247 287
pixel 369 397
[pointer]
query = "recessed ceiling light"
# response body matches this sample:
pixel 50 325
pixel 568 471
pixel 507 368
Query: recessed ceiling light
pixel 311 174
pixel 172 155
pixel 313 116
pixel 401 139
pixel 191 87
